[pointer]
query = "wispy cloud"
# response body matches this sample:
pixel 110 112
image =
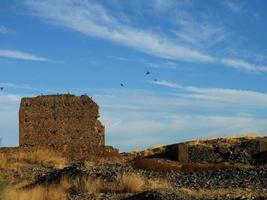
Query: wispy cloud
pixel 235 6
pixel 163 5
pixel 3 29
pixel 157 118
pixel 231 96
pixel 184 113
pixel 21 55
pixel 93 20
pixel 25 87
pixel 241 64
pixel 178 128
pixel 208 35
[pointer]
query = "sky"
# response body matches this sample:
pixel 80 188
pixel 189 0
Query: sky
pixel 207 62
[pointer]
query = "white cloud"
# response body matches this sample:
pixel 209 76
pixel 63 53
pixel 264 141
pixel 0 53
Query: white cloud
pixel 162 5
pixel 208 34
pixel 167 84
pixel 174 127
pixel 184 113
pixel 93 20
pixel 235 6
pixel 3 29
pixel 21 55
pixel 140 118
pixel 241 64
pixel 24 87
pixel 231 96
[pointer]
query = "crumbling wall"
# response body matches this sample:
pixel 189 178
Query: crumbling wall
pixel 236 150
pixel 67 123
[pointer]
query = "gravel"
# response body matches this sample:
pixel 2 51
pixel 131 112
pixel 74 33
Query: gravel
pixel 253 178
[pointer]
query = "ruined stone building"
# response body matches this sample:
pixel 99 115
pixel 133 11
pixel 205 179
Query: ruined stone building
pixel 67 123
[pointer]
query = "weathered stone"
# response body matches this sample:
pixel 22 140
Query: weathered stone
pixel 66 123
pixel 236 150
pixel 263 144
pixel 183 153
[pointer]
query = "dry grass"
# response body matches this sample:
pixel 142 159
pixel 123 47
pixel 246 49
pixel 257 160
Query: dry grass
pixel 230 138
pixel 53 192
pixel 126 183
pixel 21 158
pixel 156 184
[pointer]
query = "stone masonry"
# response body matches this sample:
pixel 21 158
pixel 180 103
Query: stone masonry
pixel 241 150
pixel 66 123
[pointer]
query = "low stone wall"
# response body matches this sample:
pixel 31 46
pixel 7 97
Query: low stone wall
pixel 235 150
pixel 9 150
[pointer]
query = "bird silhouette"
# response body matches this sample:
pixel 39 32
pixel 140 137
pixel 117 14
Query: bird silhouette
pixel 147 72
pixel 122 85
pixel 1 88
pixel 155 79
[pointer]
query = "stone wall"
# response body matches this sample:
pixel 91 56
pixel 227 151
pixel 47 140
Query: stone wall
pixel 66 123
pixel 236 150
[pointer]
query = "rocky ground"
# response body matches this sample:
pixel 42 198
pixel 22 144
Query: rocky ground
pixel 249 183
pixel 156 179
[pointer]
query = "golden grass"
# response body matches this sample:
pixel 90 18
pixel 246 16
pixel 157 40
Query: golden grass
pixel 230 138
pixel 60 192
pixel 156 184
pixel 21 158
pixel 126 183
pixel 53 192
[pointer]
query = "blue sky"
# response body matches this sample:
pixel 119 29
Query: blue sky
pixel 209 59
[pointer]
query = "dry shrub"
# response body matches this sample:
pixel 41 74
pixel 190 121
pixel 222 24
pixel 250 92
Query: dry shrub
pixel 2 187
pixel 23 157
pixel 156 184
pixel 131 182
pixel 11 162
pixel 127 183
pixel 43 156
pixel 53 192
pixel 40 192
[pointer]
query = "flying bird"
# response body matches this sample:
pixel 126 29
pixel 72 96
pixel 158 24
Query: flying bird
pixel 1 88
pixel 147 72
pixel 122 85
pixel 155 79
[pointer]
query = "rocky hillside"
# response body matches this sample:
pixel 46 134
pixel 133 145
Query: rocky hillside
pixel 150 174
